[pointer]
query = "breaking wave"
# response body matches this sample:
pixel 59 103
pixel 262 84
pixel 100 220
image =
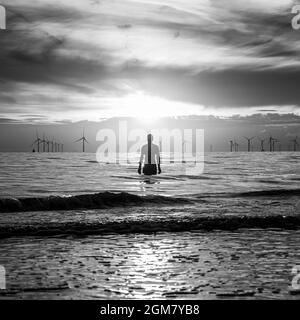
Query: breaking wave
pixel 85 201
pixel 107 200
pixel 255 194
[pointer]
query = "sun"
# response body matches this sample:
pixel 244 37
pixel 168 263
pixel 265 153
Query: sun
pixel 147 108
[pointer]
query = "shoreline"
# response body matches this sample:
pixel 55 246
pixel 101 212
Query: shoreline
pixel 248 264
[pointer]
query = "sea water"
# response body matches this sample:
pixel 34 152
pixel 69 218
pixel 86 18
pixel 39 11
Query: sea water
pixel 73 227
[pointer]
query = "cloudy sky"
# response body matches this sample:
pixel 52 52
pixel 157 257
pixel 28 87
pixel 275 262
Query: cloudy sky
pixel 93 59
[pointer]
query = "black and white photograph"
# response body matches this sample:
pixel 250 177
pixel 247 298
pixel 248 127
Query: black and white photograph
pixel 149 150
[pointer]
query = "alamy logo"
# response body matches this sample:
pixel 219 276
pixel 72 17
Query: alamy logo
pixel 296 18
pixel 2 18
pixel 176 145
pixel 2 278
pixel 296 278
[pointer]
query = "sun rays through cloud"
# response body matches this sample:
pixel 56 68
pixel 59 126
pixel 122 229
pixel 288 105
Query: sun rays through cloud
pixel 148 58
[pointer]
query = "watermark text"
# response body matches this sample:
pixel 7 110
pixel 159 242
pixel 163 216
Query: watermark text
pixel 2 278
pixel 175 145
pixel 296 18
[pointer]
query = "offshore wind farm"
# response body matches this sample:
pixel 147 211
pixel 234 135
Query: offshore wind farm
pixel 50 145
pixel 46 145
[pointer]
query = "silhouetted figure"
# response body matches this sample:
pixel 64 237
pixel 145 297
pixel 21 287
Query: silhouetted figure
pixel 150 158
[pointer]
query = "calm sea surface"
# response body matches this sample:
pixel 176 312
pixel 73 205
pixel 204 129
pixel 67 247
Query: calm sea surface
pixel 42 174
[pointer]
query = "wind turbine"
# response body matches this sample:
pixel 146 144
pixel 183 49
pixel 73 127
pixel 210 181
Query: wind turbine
pixel 271 143
pixel 37 141
pixel 236 146
pixel 295 143
pixel 48 143
pixel 52 145
pixel 249 143
pixel 231 145
pixel 44 141
pixel 83 139
pixel 262 149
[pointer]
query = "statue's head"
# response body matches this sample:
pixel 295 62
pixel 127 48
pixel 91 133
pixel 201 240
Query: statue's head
pixel 150 137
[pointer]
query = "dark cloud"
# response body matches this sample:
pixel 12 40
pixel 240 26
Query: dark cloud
pixel 9 121
pixel 231 87
pixel 26 16
pixel 36 116
pixel 266 110
pixel 34 56
pixel 268 119
pixel 42 65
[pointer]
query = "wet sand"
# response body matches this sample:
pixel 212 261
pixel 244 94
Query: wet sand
pixel 245 264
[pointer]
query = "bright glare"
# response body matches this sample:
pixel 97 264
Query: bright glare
pixel 148 108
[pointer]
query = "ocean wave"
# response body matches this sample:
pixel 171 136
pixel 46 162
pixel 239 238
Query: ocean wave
pixel 295 179
pixel 250 194
pixel 205 223
pixel 270 181
pixel 85 201
pixel 197 177
pixel 113 199
pixel 269 193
